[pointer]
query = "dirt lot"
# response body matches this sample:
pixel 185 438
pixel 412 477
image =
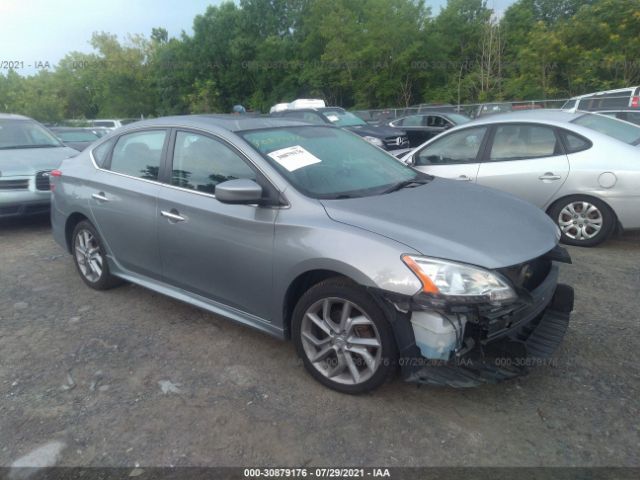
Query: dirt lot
pixel 130 377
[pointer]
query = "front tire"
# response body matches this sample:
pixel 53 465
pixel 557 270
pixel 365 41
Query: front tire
pixel 583 221
pixel 343 337
pixel 90 258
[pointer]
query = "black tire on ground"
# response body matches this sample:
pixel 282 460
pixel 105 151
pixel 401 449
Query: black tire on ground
pixel 343 288
pixel 570 235
pixel 105 280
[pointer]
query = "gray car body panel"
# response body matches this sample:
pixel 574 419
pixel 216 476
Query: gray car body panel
pixel 241 260
pixel 428 219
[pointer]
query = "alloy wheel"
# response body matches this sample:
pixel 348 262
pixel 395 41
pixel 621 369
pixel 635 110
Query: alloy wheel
pixel 341 341
pixel 88 256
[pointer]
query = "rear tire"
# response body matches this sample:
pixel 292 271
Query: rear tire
pixel 343 337
pixel 90 258
pixel 583 221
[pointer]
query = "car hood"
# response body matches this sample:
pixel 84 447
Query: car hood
pixel 27 161
pixel 380 131
pixel 454 221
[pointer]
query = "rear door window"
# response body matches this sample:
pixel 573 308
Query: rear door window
pixel 518 142
pixel 139 154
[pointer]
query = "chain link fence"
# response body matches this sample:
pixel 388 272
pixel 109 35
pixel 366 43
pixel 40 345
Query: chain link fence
pixel 472 110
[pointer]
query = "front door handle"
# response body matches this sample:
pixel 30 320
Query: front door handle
pixel 464 178
pixel 173 216
pixel 549 176
pixel 100 197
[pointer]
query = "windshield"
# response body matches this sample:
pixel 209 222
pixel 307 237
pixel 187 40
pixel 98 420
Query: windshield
pixel 77 136
pixel 622 131
pixel 325 162
pixel 342 118
pixel 16 134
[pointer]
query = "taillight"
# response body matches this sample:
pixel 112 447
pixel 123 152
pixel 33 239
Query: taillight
pixel 53 173
pixel 635 102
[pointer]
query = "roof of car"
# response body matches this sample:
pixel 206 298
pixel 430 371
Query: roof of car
pixel 543 115
pixel 309 109
pixel 232 123
pixel 13 116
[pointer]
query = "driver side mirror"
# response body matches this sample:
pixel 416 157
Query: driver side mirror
pixel 239 192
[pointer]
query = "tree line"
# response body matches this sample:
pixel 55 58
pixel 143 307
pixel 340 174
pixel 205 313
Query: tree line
pixel 353 53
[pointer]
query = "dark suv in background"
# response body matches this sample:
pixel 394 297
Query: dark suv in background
pixel 382 136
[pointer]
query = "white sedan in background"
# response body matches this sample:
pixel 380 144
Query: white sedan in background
pixel 582 168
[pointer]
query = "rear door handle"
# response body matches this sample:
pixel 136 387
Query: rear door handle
pixel 464 178
pixel 173 216
pixel 100 197
pixel 549 176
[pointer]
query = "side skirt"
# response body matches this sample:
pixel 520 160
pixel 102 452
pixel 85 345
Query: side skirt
pixel 204 303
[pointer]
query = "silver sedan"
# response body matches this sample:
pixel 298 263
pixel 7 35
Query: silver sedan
pixel 583 169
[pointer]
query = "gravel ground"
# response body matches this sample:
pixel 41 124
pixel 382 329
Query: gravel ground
pixel 130 377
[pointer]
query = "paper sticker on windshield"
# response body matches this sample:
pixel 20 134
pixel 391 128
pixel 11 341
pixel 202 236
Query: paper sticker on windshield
pixel 293 158
pixel 333 118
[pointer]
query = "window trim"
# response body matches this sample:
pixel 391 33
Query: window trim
pixel 277 197
pixel 479 155
pixel 486 157
pixel 107 157
pixel 163 152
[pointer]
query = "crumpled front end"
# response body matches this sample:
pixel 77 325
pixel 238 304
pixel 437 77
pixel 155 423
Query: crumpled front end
pixel 466 345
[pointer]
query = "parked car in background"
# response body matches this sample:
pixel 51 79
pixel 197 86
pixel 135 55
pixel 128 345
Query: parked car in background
pixel 632 116
pixel 100 131
pixel 28 152
pixel 620 99
pixel 435 107
pixel 76 138
pixel 422 127
pixel 491 109
pixel 583 169
pixel 385 137
pixel 111 124
pixel 310 233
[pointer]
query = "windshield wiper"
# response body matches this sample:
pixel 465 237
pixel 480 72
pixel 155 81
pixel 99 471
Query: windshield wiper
pixel 405 184
pixel 16 147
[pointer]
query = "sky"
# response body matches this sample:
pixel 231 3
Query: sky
pixel 37 32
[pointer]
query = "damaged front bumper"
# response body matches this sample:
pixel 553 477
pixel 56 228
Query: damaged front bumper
pixel 491 343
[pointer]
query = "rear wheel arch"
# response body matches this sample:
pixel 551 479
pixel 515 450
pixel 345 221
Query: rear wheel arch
pixel 70 225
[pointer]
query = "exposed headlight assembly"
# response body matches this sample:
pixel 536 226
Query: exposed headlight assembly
pixel 458 282
pixel 376 141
